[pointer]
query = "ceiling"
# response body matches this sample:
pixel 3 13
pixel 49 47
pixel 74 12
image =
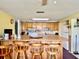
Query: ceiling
pixel 26 9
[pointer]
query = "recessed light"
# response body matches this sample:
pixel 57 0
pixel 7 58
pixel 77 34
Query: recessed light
pixel 36 19
pixel 55 2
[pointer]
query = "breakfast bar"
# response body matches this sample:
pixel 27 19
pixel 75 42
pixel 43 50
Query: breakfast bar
pixel 46 47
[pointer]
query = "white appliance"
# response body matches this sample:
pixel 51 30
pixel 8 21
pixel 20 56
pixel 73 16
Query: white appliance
pixel 6 36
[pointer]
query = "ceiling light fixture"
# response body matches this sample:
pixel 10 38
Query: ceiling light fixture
pixel 55 2
pixel 36 19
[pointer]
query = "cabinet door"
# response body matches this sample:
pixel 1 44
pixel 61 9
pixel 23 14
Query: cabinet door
pixel 56 26
pixel 29 25
pixel 52 26
pixel 24 26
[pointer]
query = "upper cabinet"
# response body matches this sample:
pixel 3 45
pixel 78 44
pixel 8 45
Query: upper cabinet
pixel 56 26
pixel 51 25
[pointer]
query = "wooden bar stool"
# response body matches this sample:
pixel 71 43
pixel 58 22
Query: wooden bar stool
pixel 26 48
pixel 28 51
pixel 36 51
pixel 53 52
pixel 19 50
pixel 45 50
pixel 5 52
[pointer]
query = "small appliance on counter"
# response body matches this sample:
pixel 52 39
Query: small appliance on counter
pixel 7 33
pixel 6 36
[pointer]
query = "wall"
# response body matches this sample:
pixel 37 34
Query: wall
pixel 63 31
pixel 73 31
pixel 5 22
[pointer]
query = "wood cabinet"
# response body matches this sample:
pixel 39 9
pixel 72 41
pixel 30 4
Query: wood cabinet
pixel 29 25
pixel 51 25
pixel 56 26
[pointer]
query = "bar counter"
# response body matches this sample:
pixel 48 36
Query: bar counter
pixel 49 41
pixel 47 37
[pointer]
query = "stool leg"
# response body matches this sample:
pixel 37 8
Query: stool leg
pixel 25 55
pixel 4 57
pixel 44 55
pixel 29 54
pixel 22 55
pixel 37 57
pixel 10 56
pixel 19 55
pixel 16 55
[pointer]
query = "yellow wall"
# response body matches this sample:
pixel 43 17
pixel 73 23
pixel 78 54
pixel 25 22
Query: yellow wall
pixel 5 22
